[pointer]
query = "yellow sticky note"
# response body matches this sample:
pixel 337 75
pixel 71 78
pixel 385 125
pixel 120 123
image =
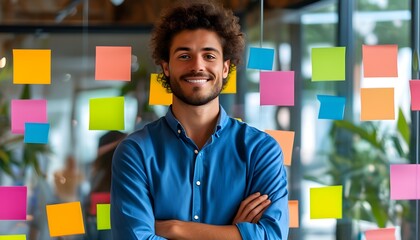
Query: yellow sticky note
pixel 103 216
pixel 326 202
pixel 106 113
pixel 230 86
pixel 328 64
pixel 285 140
pixel 377 104
pixel 31 66
pixel 65 219
pixel 13 237
pixel 158 94
pixel 293 213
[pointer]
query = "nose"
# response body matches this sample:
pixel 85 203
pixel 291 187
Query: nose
pixel 197 64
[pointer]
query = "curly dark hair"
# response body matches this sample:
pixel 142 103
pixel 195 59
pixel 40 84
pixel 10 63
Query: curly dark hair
pixel 192 15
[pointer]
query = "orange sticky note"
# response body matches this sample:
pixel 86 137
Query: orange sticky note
pixel 377 104
pixel 293 213
pixel 65 219
pixel 113 63
pixel 230 86
pixel 158 94
pixel 31 66
pixel 380 234
pixel 380 61
pixel 285 140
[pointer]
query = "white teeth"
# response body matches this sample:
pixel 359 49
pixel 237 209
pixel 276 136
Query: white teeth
pixel 197 81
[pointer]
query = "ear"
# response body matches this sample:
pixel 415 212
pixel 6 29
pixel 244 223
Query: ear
pixel 226 66
pixel 165 68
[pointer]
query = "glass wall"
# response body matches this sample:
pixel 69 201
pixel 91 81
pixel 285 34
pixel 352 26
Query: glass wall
pixel 352 153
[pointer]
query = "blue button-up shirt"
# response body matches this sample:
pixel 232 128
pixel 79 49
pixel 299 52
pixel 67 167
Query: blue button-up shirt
pixel 158 173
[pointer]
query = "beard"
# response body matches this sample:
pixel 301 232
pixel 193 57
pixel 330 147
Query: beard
pixel 196 98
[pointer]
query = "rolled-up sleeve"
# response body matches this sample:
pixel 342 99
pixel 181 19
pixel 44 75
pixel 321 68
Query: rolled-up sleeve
pixel 269 177
pixel 131 206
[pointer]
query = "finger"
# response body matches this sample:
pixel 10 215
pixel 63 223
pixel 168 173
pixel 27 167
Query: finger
pixel 258 216
pixel 254 203
pixel 247 200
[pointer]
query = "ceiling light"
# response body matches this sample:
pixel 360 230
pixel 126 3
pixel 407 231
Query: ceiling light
pixel 117 2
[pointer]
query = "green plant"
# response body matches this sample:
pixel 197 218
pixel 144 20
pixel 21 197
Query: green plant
pixel 364 171
pixel 11 145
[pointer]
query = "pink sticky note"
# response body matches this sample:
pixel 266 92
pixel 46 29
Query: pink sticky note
pixel 380 60
pixel 113 63
pixel 277 88
pixel 22 111
pixel 380 234
pixel 405 181
pixel 96 198
pixel 13 202
pixel 415 94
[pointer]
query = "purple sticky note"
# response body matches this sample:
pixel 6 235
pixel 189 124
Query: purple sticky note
pixel 415 94
pixel 277 88
pixel 13 202
pixel 405 181
pixel 34 111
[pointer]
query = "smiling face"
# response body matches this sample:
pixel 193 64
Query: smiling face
pixel 196 68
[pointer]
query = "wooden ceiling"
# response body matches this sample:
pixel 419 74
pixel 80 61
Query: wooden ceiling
pixel 104 12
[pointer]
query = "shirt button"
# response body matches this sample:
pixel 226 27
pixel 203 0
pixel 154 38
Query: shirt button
pixel 196 217
pixel 198 183
pixel 196 151
pixel 179 131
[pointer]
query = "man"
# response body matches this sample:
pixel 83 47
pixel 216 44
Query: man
pixel 196 173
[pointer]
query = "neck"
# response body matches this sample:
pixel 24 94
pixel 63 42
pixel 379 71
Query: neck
pixel 198 121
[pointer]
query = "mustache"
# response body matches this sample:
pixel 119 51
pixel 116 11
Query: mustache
pixel 199 74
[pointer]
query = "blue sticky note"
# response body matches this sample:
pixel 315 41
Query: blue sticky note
pixel 332 107
pixel 261 58
pixel 36 133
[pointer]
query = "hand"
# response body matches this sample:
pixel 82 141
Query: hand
pixel 252 208
pixel 166 228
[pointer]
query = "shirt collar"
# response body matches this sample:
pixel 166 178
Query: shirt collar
pixel 176 126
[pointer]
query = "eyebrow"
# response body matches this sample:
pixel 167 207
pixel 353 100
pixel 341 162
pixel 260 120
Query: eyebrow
pixel 207 49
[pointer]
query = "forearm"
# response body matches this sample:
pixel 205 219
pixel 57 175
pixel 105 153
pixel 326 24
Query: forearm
pixel 180 230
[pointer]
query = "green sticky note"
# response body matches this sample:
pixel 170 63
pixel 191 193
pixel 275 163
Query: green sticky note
pixel 106 113
pixel 326 202
pixel 103 216
pixel 329 64
pixel 13 237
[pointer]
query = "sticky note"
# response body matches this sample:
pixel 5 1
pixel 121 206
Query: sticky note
pixel 36 133
pixel 415 94
pixel 285 139
pixel 31 66
pixel 380 234
pixel 65 219
pixel 96 198
pixel 405 181
pixel 331 107
pixel 277 88
pixel 326 202
pixel 158 94
pixel 380 60
pixel 13 237
pixel 22 111
pixel 113 63
pixel 106 113
pixel 261 58
pixel 377 104
pixel 13 202
pixel 293 213
pixel 230 86
pixel 328 64
pixel 104 216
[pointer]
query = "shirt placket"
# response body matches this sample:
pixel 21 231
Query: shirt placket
pixel 197 184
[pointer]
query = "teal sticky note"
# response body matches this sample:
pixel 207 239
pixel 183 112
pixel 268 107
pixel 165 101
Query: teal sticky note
pixel 106 113
pixel 261 58
pixel 36 133
pixel 331 107
pixel 329 64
